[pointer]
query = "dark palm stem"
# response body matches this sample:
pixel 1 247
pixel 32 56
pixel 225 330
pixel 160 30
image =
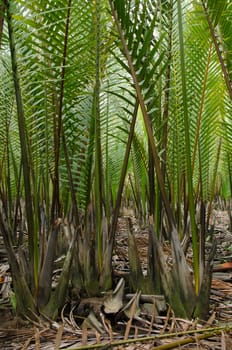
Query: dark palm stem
pixel 55 211
pixel 23 140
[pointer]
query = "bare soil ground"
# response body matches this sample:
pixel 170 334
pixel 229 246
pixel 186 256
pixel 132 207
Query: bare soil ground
pixel 143 328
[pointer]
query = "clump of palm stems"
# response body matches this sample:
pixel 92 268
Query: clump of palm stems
pixel 104 103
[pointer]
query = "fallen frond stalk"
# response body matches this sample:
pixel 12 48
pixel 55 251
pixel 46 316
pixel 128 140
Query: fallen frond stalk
pixel 191 339
pixel 208 333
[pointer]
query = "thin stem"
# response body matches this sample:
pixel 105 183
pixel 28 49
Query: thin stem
pixel 146 120
pixel 23 140
pixel 187 151
pixel 219 53
pixel 98 157
pixel 56 200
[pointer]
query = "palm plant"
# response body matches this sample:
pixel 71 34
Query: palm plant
pixel 187 128
pixel 59 125
pixel 72 75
